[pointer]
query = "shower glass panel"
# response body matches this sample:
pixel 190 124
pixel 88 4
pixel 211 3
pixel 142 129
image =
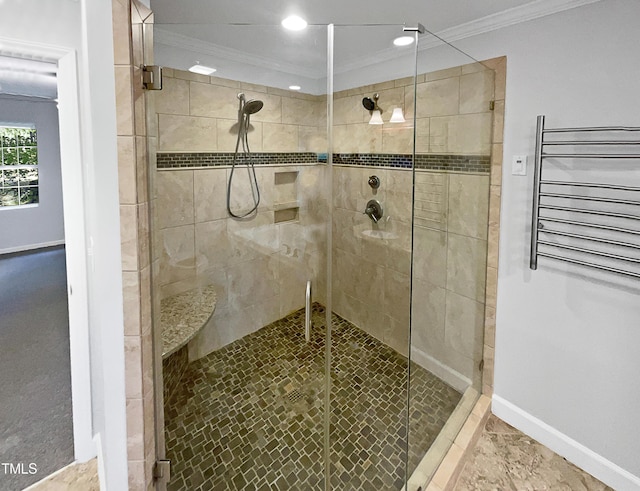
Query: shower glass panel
pixel 242 207
pixel 453 142
pixel 244 398
pixel 371 252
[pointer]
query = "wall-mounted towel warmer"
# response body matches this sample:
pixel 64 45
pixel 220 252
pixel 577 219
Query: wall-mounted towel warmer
pixel 569 222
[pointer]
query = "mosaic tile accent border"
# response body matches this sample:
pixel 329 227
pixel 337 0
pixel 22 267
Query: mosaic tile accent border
pixel 452 163
pixel 218 159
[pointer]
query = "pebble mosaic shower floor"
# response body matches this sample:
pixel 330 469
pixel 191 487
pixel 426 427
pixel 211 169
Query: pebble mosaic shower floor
pixel 250 415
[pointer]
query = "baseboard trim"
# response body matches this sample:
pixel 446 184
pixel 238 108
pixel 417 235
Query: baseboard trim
pixel 596 465
pixel 30 247
pixel 447 374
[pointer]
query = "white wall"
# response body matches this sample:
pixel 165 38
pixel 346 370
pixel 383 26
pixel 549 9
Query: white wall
pixel 567 348
pixel 86 27
pixel 41 225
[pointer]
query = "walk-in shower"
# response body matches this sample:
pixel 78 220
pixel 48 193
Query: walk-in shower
pixel 243 157
pixel 387 221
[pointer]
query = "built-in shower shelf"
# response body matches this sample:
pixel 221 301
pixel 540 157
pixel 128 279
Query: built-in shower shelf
pixel 288 214
pixel 182 316
pixel 286 206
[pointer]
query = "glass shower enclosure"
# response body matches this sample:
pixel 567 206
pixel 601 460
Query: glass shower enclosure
pixel 330 338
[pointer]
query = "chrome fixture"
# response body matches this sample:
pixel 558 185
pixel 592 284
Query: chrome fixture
pixel 307 313
pixel 245 110
pixel 371 105
pixel 374 210
pixel 152 77
pixel 374 182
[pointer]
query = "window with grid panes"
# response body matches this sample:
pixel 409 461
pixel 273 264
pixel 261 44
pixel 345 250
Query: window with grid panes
pixel 18 166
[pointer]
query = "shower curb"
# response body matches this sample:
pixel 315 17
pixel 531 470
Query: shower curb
pixel 449 470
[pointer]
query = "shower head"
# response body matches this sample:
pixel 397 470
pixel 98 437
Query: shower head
pixel 252 106
pixel 371 104
pixel 368 103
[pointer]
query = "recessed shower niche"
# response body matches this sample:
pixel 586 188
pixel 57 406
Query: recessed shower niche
pixel 391 356
pixel 286 206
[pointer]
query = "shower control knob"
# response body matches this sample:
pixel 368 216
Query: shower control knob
pixel 374 182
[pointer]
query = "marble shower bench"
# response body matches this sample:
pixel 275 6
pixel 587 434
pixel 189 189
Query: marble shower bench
pixel 182 317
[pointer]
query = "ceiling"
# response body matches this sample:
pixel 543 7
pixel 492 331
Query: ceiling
pixel 244 41
pixel 435 15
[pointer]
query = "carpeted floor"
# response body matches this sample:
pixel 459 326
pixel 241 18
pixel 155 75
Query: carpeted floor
pixel 35 380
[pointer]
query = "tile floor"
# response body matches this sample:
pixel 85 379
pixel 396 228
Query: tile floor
pixel 507 459
pixel 250 415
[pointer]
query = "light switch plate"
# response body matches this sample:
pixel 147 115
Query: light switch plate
pixel 519 165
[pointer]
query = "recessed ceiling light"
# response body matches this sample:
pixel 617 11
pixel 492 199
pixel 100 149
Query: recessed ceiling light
pixel 294 23
pixel 403 41
pixel 294 87
pixel 201 69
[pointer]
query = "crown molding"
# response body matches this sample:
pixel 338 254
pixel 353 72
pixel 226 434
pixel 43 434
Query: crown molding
pixel 168 38
pixel 506 18
pixel 493 22
pixel 516 15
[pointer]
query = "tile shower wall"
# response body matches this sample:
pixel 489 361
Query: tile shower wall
pixel 372 261
pixel 200 243
pixel 260 267
pixel 134 228
pixel 198 113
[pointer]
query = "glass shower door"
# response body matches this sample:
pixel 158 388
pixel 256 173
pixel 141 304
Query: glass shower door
pixel 371 256
pixel 244 398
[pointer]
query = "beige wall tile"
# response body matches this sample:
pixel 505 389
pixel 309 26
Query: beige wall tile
pixel 465 134
pixel 227 133
pixel 194 77
pixel 175 205
pixel 428 315
pixel 213 101
pixel 476 90
pixel 446 73
pixel 271 112
pixel 349 110
pixel 178 256
pixel 131 302
pixel 213 250
pixel 498 122
pixel 173 98
pixel 438 98
pixel 430 256
pixel 422 135
pixel 300 112
pixel 468 205
pixel 126 170
pixel 312 139
pixel 187 133
pixel 209 194
pixel 142 169
pixel 124 100
pixel 492 286
pixel 464 323
pixel 133 367
pixel 135 429
pixel 397 138
pixel 490 326
pixel 496 164
pixel 129 237
pixel 279 137
pixel 397 297
pixel 357 138
pixel 466 266
pixel 121 33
